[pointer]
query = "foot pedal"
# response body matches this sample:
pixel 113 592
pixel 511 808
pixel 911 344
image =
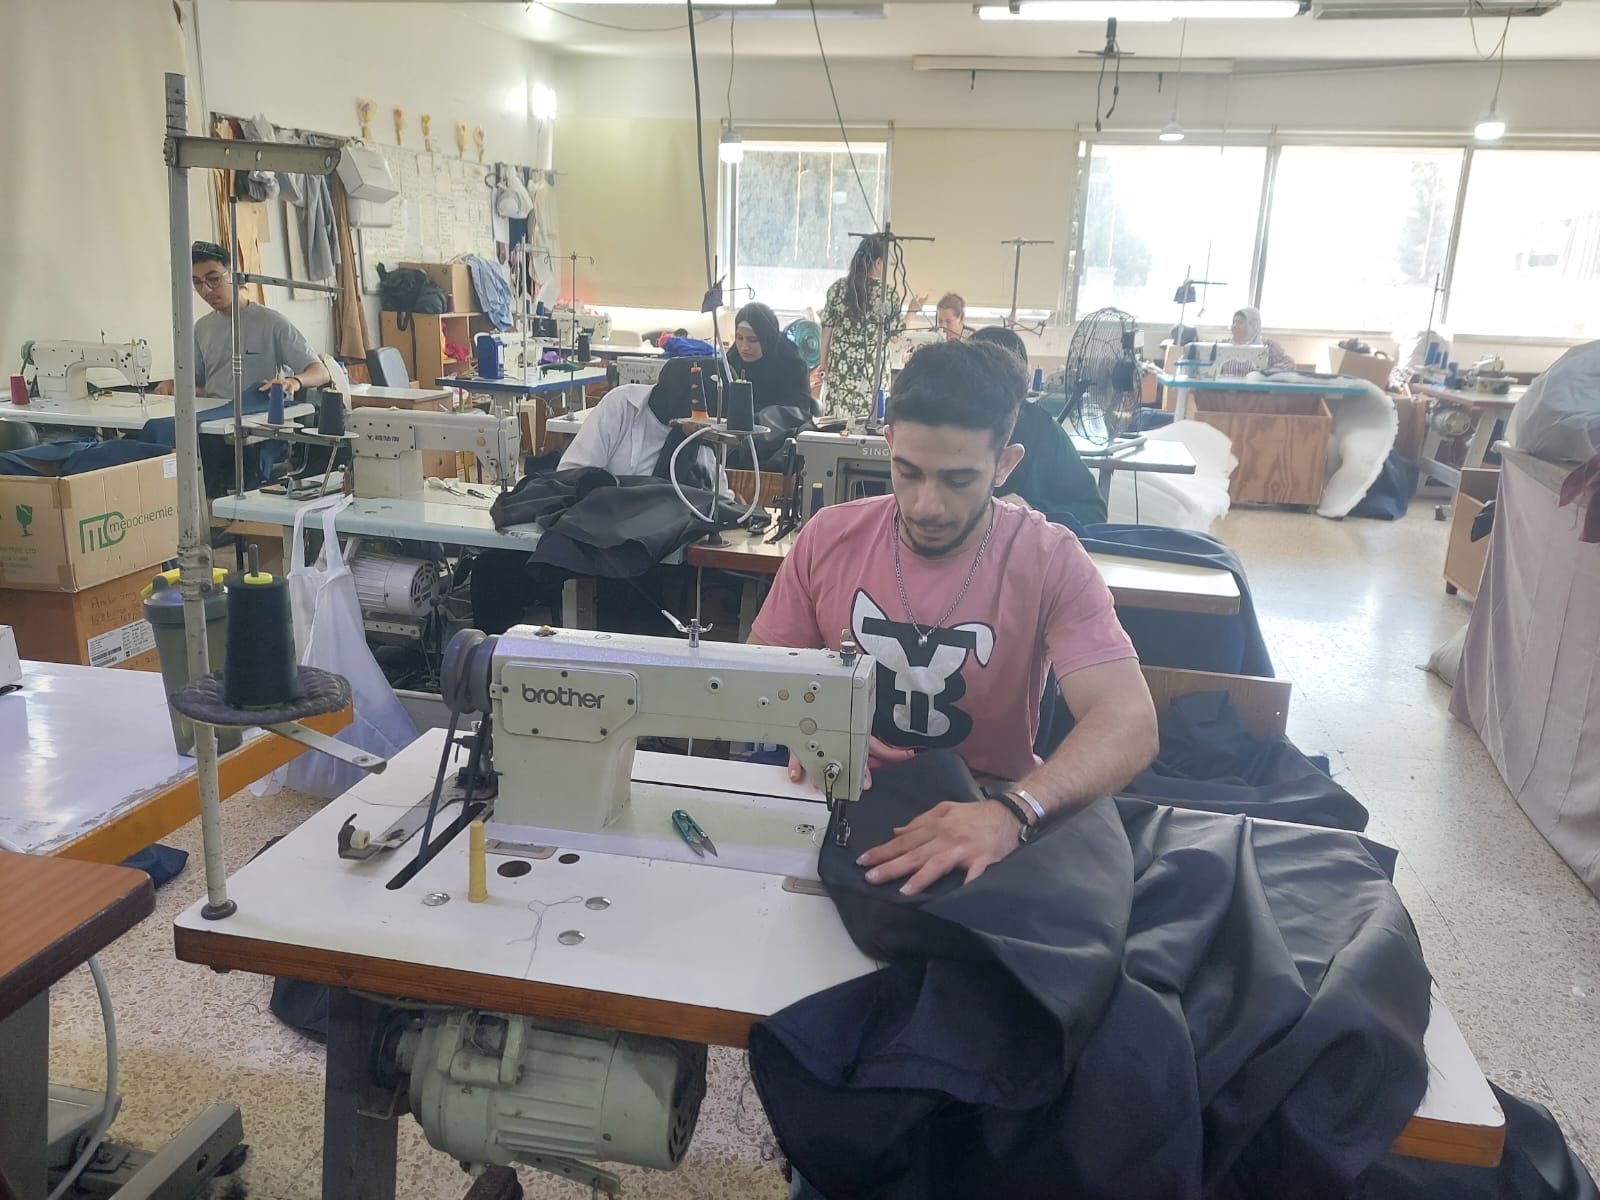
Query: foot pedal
pixel 497 1183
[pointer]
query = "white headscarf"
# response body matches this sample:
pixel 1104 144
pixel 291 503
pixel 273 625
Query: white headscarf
pixel 1252 322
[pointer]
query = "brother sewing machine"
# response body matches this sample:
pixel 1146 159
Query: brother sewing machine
pixel 569 705
pixel 389 443
pixel 63 367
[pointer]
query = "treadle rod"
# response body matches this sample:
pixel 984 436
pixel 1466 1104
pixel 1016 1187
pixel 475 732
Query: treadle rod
pixel 333 747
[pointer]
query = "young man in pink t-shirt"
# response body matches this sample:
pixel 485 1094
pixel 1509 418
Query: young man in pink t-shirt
pixel 966 602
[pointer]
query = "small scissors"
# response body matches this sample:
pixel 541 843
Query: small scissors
pixel 692 833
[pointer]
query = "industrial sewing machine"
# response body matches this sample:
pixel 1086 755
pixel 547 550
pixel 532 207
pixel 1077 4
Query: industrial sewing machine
pixel 848 466
pixel 596 324
pixel 389 443
pixel 569 705
pixel 1208 360
pixel 63 367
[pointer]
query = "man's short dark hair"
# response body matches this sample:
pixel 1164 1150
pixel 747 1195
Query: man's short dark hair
pixel 971 385
pixel 1001 336
pixel 208 252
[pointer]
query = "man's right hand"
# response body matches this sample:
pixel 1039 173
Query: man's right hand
pixel 879 753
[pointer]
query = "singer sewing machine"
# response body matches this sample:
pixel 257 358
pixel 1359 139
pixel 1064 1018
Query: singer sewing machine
pixel 389 443
pixel 848 466
pixel 63 367
pixel 569 705
pixel 596 324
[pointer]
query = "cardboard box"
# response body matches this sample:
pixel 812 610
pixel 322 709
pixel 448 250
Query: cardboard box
pixel 1413 414
pixel 1337 361
pixel 64 535
pixel 455 279
pixel 1279 438
pixel 1463 557
pixel 101 626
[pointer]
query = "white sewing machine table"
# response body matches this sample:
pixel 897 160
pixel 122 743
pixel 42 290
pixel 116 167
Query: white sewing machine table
pixel 127 413
pixel 682 949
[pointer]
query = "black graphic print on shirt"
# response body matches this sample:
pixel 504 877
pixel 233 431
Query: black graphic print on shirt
pixel 919 684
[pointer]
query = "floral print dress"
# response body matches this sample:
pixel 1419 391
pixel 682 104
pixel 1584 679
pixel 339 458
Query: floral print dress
pixel 855 345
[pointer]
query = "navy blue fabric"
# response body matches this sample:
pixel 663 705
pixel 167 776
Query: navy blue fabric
pixel 216 457
pixel 683 347
pixel 162 863
pixel 1189 641
pixel 1141 1002
pixel 77 456
pixel 1390 494
pixel 1151 418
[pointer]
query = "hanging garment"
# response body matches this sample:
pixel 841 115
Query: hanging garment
pixel 494 292
pixel 350 314
pixel 1140 1002
pixel 544 242
pixel 321 238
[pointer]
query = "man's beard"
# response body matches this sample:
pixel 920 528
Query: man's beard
pixel 939 550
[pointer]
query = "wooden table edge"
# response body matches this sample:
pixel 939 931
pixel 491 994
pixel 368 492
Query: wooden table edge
pixel 469 989
pixel 179 803
pixel 1440 1141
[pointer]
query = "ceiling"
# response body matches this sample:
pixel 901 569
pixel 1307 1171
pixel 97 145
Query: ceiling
pixel 930 28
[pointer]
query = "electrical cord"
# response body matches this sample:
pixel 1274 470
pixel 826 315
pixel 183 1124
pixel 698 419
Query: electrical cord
pixel 1472 25
pixel 560 12
pixel 708 517
pixel 107 1110
pixel 816 27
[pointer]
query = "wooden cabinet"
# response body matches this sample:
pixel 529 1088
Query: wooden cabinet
pixel 421 339
pixel 1463 557
pixel 1279 438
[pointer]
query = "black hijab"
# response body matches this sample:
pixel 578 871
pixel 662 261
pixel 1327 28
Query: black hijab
pixel 780 375
pixel 669 399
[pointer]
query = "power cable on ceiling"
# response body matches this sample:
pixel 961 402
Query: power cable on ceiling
pixel 561 12
pixel 731 17
pixel 816 27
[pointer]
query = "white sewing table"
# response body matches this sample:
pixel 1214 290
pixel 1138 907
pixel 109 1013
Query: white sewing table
pixel 689 949
pixel 94 772
pixel 125 412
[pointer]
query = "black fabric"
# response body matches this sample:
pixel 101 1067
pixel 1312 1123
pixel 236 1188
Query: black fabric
pixel 1232 645
pixel 1483 523
pixel 1537 1165
pixel 670 398
pixel 1051 476
pixel 598 524
pixel 1077 1021
pixel 782 422
pixel 162 863
pixel 1390 494
pixel 409 290
pixel 1208 762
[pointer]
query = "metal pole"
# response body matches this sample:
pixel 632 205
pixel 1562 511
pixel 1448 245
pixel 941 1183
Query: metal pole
pixel 1016 282
pixel 238 350
pixel 194 542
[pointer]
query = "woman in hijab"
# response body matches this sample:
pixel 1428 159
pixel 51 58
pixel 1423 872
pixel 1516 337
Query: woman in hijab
pixel 1247 332
pixel 769 360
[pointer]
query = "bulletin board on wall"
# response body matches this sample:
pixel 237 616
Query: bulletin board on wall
pixel 445 209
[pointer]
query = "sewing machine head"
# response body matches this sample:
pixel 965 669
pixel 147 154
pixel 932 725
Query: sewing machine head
pixel 568 706
pixel 849 466
pixel 1211 360
pixel 63 367
pixel 390 441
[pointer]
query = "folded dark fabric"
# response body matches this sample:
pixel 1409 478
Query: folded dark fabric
pixel 76 456
pixel 1142 1002
pixel 1208 761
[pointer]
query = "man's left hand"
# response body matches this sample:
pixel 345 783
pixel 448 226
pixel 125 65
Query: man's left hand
pixel 291 384
pixel 969 837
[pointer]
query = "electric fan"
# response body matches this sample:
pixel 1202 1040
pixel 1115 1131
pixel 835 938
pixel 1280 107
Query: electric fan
pixel 807 337
pixel 1102 377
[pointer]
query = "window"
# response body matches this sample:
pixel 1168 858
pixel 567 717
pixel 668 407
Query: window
pixel 1528 260
pixel 798 203
pixel 1357 237
pixel 1155 216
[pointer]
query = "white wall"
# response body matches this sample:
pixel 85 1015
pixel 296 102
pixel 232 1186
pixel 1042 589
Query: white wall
pixel 83 190
pixel 304 64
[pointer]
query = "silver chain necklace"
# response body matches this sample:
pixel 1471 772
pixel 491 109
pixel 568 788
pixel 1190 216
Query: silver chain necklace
pixel 900 583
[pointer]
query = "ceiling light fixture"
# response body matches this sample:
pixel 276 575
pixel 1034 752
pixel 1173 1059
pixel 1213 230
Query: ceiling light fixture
pixel 1140 10
pixel 730 147
pixel 709 6
pixel 1492 128
pixel 1173 132
pixel 543 103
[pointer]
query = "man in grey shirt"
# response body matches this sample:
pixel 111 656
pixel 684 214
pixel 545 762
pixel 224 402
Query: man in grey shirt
pixel 271 343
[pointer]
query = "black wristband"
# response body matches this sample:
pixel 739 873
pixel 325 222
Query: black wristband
pixel 1016 811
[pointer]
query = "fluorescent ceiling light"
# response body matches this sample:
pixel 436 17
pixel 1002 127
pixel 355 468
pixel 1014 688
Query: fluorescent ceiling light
pixel 664 3
pixel 1423 10
pixel 1141 10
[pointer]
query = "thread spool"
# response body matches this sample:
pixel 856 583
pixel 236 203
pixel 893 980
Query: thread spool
pixel 275 404
pixel 330 414
pixel 1038 379
pixel 715 390
pixel 697 393
pixel 259 669
pixel 583 347
pixel 477 867
pixel 741 408
pixel 816 498
pixel 489 356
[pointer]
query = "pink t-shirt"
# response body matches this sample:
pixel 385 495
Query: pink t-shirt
pixel 1037 601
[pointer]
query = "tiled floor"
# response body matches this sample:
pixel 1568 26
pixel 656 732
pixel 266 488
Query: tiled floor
pixel 1349 610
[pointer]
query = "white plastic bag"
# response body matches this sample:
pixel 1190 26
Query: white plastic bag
pixel 328 634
